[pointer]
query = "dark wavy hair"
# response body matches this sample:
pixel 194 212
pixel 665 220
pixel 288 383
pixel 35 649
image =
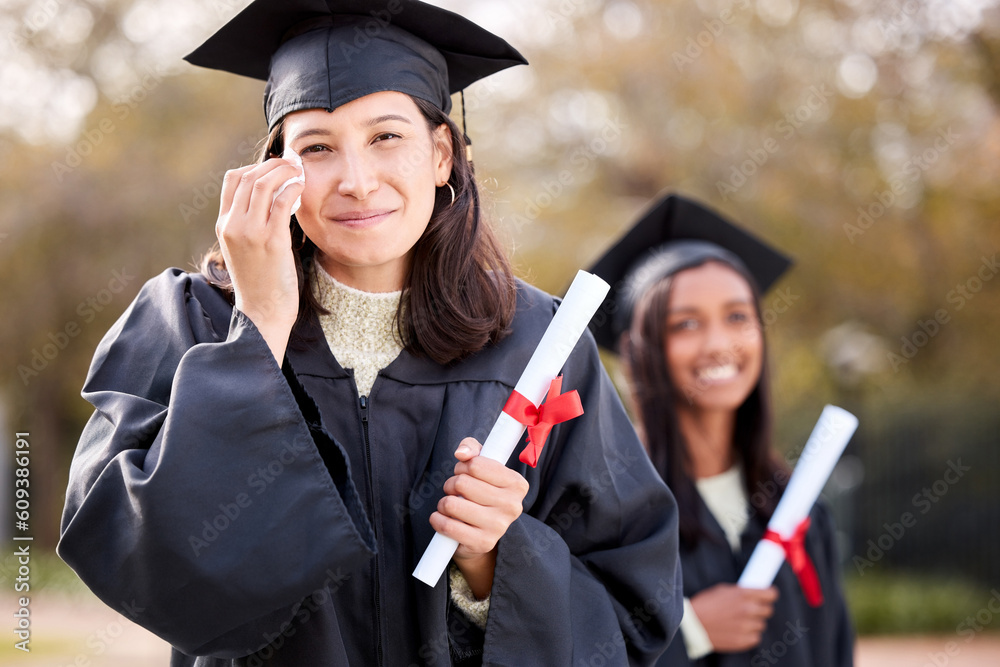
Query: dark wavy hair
pixel 460 292
pixel 655 396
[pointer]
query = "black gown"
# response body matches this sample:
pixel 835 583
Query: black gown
pixel 797 635
pixel 257 515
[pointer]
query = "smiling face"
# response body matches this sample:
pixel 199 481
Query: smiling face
pixel 371 169
pixel 714 345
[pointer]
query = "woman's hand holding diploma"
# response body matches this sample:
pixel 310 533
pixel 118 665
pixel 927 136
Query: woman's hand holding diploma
pixel 482 499
pixel 734 617
pixel 256 243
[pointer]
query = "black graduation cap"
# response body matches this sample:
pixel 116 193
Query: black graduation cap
pixel 675 233
pixel 320 54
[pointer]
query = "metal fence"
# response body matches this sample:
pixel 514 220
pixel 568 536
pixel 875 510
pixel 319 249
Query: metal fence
pixel 920 492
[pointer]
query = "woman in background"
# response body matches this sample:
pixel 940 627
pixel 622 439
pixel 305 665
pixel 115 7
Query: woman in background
pixel 688 328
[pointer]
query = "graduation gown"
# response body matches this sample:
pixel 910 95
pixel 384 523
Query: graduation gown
pixel 252 514
pixel 797 635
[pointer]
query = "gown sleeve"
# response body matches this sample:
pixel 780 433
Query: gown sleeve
pixel 197 454
pixel 589 573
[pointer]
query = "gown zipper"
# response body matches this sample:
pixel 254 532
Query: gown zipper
pixel 371 502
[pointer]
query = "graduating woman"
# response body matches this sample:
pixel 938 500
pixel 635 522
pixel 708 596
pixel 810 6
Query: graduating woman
pixel 275 438
pixel 689 331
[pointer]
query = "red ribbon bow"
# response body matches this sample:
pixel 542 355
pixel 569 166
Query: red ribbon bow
pixel 557 409
pixel 798 559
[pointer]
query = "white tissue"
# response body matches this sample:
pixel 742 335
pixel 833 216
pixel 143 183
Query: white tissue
pixel 294 158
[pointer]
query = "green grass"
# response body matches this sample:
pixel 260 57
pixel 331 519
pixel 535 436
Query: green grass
pixel 48 572
pixel 903 603
pixel 42 647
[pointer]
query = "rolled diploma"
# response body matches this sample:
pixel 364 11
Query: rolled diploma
pixel 582 300
pixel 821 453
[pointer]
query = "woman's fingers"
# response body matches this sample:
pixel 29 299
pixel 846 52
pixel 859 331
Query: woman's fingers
pixel 488 473
pixel 262 203
pixel 253 232
pixel 250 190
pixel 482 499
pixel 229 184
pixel 476 532
pixel 761 602
pixel 734 617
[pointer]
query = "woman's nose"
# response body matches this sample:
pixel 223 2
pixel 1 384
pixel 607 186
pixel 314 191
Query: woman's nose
pixel 720 342
pixel 358 178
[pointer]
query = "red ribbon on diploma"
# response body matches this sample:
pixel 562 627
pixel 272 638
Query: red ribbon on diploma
pixel 798 559
pixel 556 409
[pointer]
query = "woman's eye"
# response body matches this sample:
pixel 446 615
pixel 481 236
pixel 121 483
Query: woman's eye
pixel 739 317
pixel 684 325
pixel 386 135
pixel 316 148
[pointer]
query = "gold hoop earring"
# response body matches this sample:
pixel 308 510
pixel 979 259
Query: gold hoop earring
pixel 452 193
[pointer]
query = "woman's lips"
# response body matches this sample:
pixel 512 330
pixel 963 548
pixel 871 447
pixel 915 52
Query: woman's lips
pixel 362 219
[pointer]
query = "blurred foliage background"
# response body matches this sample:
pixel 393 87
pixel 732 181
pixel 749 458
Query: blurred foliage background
pixel 861 137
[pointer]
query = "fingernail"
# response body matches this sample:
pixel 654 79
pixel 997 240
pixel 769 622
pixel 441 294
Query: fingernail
pixel 462 449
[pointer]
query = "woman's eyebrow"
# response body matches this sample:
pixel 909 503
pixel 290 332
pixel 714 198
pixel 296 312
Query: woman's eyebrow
pixel 388 117
pixel 694 309
pixel 312 132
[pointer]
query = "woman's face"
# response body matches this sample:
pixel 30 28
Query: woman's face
pixel 371 169
pixel 714 344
